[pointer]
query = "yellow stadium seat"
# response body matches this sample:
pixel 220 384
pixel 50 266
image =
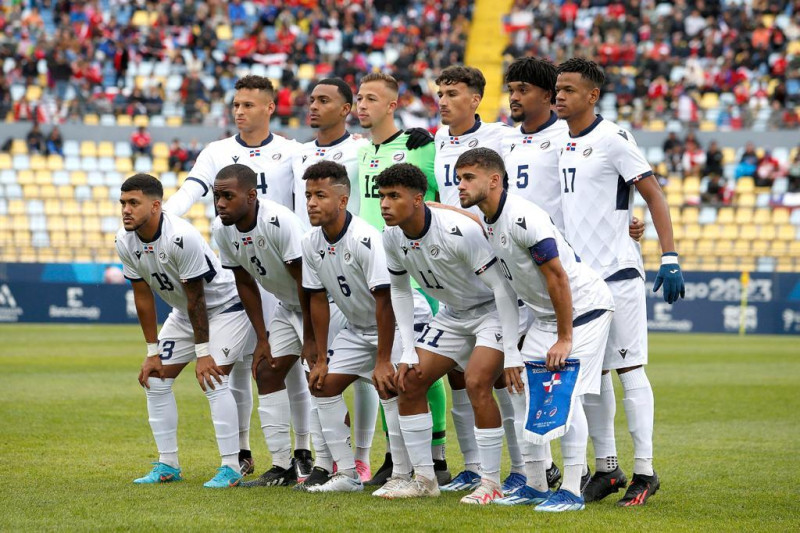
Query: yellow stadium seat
pixel 38 162
pixel 709 101
pixel 33 93
pixel 687 246
pixel 656 125
pixel 88 149
pixel 25 177
pixel 746 184
pixel 70 208
pixel 762 215
pixel 305 72
pixel 674 199
pixel 105 149
pixel 778 248
pixel 728 155
pixel 19 147
pixel 712 231
pixel 785 264
pixel 748 231
pixel 693 231
pixel 741 247
pixel 65 192
pixel 746 200
pixel 794 248
pixel 16 207
pixel 677 231
pixel 787 232
pixel 650 247
pixel 55 162
pixel 124 165
pixel 124 120
pixel 99 192
pixel 725 216
pixel 730 231
pixel 78 177
pixel 708 125
pixel 780 216
pixel 31 191
pixel 91 120
pixel 747 264
pixel 691 186
pixel 52 207
pixel 46 255
pixel 758 248
pixel 744 215
pixel 141 121
pixel 140 18
pixel 767 232
pixel 174 122
pixel 160 149
pixel 47 192
pixel 723 247
pixel 5 161
pixel 43 177
pixel 705 247
pixel 224 32
pixel 160 165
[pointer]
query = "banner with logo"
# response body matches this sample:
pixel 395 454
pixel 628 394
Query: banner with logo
pixel 550 399
pixel 71 303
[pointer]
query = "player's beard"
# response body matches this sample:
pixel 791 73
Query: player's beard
pixel 519 116
pixel 473 200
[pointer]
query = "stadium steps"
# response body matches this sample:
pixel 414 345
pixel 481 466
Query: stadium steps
pixel 485 51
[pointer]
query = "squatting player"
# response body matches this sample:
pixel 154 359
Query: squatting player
pixel 448 255
pixel 599 165
pixel 162 253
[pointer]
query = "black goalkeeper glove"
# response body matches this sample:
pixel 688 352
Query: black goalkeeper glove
pixel 417 138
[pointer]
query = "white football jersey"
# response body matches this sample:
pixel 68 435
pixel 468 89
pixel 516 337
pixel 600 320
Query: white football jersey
pixel 265 249
pixel 271 161
pixel 598 168
pixel 445 260
pixel 449 147
pixel 523 236
pixel 531 161
pixel 349 267
pixel 176 254
pixel 343 151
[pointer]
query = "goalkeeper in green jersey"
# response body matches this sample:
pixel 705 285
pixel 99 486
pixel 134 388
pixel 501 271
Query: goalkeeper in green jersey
pixel 376 103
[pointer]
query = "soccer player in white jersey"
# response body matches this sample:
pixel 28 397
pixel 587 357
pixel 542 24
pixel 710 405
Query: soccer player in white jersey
pixel 260 241
pixel 162 253
pixel 571 305
pixel 343 256
pixel 450 258
pixel 329 105
pixel 460 92
pixel 599 166
pixel 270 156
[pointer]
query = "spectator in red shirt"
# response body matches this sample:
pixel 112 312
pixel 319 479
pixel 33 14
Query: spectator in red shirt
pixel 141 142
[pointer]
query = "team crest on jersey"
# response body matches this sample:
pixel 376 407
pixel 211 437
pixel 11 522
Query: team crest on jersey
pixel 373 163
pixel 337 156
pixel 398 156
pixel 274 221
pixel 521 223
pixel 528 139
pixel 162 256
pixel 255 153
pixel 148 249
pixel 261 241
pixel 366 241
pixel 276 157
pixel 248 240
pixel 455 231
pixel 503 240
pixel 454 140
pixel 571 147
pixel 348 257
pixel 331 249
pixel 473 143
pixel 545 145
pixel 587 152
pixel 235 158
pixel 435 251
pixel 320 152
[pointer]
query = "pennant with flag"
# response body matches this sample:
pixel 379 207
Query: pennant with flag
pixel 551 396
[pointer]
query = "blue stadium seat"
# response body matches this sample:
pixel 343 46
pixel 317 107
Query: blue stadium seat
pixel 71 148
pixel 21 162
pixel 122 149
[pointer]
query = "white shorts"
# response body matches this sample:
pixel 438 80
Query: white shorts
pixel 286 330
pixel 588 345
pixel 455 334
pixel 422 309
pixel 230 337
pixel 354 352
pixel 627 340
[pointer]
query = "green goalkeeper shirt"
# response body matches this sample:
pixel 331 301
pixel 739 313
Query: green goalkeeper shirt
pixel 373 159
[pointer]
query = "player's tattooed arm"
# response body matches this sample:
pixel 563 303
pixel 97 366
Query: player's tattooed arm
pixel 383 375
pixel 320 319
pixel 145 304
pixel 251 300
pixel 560 294
pixel 206 369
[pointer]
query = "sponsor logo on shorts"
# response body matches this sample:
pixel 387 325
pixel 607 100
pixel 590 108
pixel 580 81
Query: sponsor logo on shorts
pixel 226 351
pixel 623 352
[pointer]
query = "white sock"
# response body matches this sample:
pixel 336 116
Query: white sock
pixel 639 410
pixel 273 409
pixel 506 405
pixel 365 411
pixel 573 448
pixel 600 410
pixel 401 463
pixel 224 417
pixel 241 385
pixel 548 455
pixel 231 460
pixel 490 445
pixel 162 413
pixel 464 422
pixel 300 405
pixel 332 413
pixel 417 434
pixel 322 455
pixel 536 467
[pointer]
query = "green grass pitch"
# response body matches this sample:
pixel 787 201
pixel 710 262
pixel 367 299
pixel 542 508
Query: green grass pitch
pixel 75 433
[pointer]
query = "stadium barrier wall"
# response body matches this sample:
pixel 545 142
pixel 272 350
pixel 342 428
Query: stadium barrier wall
pixel 714 303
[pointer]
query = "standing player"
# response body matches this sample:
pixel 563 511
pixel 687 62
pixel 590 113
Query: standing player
pixel 163 253
pixel 344 257
pixel 448 255
pixel 571 305
pixel 376 105
pixel 270 156
pixel 599 163
pixel 260 241
pixel 460 92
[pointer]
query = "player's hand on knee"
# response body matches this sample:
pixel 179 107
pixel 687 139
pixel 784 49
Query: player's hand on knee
pixel 261 354
pixel 207 370
pixel 383 379
pixel 151 365
pixel 309 353
pixel 557 355
pixel 513 377
pixel 636 229
pixel 316 380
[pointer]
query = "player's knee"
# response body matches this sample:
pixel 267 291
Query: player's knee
pixel 478 385
pixel 456 379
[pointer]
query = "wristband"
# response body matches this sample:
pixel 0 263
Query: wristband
pixel 669 258
pixel 152 349
pixel 201 350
